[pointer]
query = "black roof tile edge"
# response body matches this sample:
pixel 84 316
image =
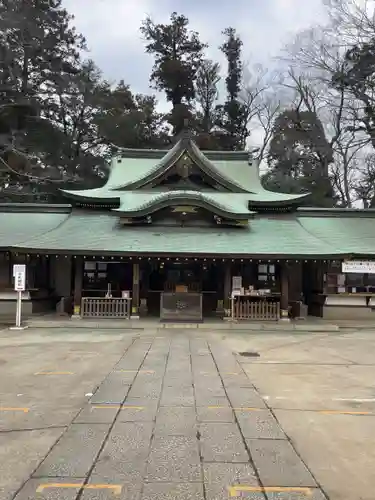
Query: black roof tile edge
pixel 35 208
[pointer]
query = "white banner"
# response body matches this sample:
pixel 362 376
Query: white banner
pixel 358 266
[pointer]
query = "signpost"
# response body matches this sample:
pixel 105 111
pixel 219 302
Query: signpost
pixel 358 266
pixel 19 274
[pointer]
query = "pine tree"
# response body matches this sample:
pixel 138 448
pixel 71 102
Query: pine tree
pixel 178 53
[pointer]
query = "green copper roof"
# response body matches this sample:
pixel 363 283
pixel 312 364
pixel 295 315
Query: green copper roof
pixel 307 233
pixel 99 233
pixel 22 221
pixel 354 234
pixel 230 170
pixel 138 203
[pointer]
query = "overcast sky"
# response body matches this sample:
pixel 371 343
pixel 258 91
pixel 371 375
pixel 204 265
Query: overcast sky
pixel 111 28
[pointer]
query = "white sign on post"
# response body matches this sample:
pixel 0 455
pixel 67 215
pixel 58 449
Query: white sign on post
pixel 19 268
pixel 20 282
pixel 358 266
pixel 19 273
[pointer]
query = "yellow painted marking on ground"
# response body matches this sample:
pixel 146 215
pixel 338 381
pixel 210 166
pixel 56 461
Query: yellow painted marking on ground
pixel 54 373
pixel 98 407
pixel 244 408
pixel 116 488
pixel 338 412
pixel 235 490
pixel 217 373
pixel 24 410
pixel 136 371
pixel 237 409
pixel 130 407
pixel 125 407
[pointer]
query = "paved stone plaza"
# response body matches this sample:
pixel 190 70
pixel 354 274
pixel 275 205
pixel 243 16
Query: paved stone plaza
pixel 179 414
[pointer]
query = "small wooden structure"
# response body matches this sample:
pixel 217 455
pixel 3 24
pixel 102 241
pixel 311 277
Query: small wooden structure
pixel 246 308
pixel 181 306
pixel 103 307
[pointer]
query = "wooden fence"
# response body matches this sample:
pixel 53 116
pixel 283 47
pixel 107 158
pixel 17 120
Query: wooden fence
pixel 105 308
pixel 253 309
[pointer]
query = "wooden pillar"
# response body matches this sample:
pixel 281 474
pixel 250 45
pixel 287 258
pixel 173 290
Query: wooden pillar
pixel 227 289
pixel 144 287
pixel 284 289
pixel 78 282
pixel 135 294
pixel 227 285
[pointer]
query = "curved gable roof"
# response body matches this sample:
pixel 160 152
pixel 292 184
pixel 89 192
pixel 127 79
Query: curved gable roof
pixel 230 169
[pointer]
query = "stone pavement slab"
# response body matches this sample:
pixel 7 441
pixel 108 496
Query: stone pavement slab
pixel 127 442
pixel 150 389
pixel 205 399
pixel 218 477
pixel 50 488
pixel 20 454
pixel 75 452
pixel 314 494
pixel 214 414
pixel 126 376
pixel 177 396
pixel 176 421
pixel 138 410
pixel 174 459
pixel 97 414
pixel 242 397
pixel 131 361
pixel 222 442
pixel 38 414
pixel 236 379
pixel 259 424
pixel 173 491
pixel 128 492
pixel 209 391
pixel 112 390
pixel 203 379
pixel 278 464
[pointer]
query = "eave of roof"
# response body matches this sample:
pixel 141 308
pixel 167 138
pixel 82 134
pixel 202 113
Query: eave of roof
pixel 85 232
pixel 252 200
pixel 23 221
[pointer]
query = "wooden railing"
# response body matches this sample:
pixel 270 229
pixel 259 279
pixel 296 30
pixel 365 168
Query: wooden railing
pixel 105 308
pixel 258 310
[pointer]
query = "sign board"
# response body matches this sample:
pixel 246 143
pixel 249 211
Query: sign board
pixel 19 268
pixel 19 273
pixel 236 282
pixel 20 282
pixel 358 266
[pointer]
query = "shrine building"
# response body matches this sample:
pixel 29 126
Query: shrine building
pixel 185 235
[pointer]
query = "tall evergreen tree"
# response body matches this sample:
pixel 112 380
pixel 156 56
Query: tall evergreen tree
pixel 299 157
pixel 38 50
pixel 232 113
pixel 178 52
pixel 127 120
pixel 208 77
